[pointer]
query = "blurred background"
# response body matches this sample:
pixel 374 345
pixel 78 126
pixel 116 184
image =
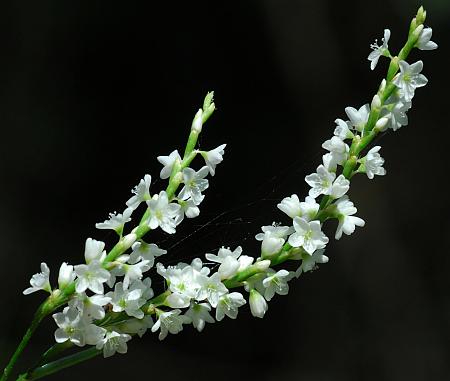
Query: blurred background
pixel 92 91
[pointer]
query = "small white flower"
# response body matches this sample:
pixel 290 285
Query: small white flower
pixel 342 130
pixel 409 79
pixel 229 264
pixel 397 115
pixel 170 321
pixel 197 123
pixel 347 221
pixel 290 206
pixel 324 182
pixel 145 287
pixel 162 213
pixel 379 51
pixel 258 305
pixel 132 272
pixel 93 250
pixel 424 42
pixel 338 151
pixel 129 301
pixel 145 252
pixel 308 235
pixel 90 306
pixel 70 327
pixel 211 288
pixel 194 184
pixel 309 261
pixel 228 305
pixel 188 209
pixel 141 192
pixel 116 221
pixel 91 276
pixel 168 162
pixel 309 208
pixel 114 342
pixel 374 163
pixel 40 281
pixel 271 245
pixel 213 157
pixel 276 283
pixel 199 314
pixel 358 118
pixel 66 275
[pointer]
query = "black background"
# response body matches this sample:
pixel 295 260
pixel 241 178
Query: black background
pixel 91 92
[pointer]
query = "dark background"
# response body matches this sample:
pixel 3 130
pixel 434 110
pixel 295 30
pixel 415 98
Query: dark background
pixel 91 92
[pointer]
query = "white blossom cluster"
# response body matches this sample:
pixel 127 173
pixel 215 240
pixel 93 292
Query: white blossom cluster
pixel 109 319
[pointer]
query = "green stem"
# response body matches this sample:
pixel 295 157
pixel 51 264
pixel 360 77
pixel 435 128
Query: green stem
pixel 65 362
pixel 39 315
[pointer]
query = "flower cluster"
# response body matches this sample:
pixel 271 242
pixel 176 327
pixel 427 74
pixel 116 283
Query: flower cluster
pixel 108 320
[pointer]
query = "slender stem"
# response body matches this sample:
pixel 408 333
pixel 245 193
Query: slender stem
pixel 38 316
pixel 65 362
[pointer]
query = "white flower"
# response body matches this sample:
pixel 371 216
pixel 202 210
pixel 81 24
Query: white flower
pixel 308 235
pixel 424 43
pixel 290 206
pixel 258 305
pixel 132 272
pixel 114 342
pixel 324 182
pixel 229 264
pixel 188 209
pixel 93 250
pixel 342 130
pixel 66 275
pixel 91 276
pixel 358 118
pixel 199 314
pixel 396 112
pixel 409 78
pixel 213 157
pixel 271 245
pixel 374 163
pixel 211 288
pixel 116 221
pixel 338 151
pixel 228 305
pixel 183 284
pixel 347 221
pixel 276 283
pixel 141 192
pixel 90 306
pixel 129 301
pixel 379 51
pixel 144 286
pixel 40 281
pixel 162 213
pixel 194 184
pixel 309 208
pixel 145 252
pixel 70 326
pixel 170 321
pixel 244 262
pixel 309 261
pixel 168 162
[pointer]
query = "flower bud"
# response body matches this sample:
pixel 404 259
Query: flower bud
pixel 197 123
pixel 128 240
pixel 271 245
pixel 421 16
pixel 262 265
pixel 228 268
pixel 417 31
pixel 376 102
pixel 258 305
pixel 381 124
pixel 66 275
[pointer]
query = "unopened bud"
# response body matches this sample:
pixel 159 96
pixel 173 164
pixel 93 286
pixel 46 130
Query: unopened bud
pixel 128 240
pixel 197 123
pixel 381 124
pixel 258 305
pixel 262 265
pixel 382 86
pixel 421 16
pixel 376 102
pixel 417 31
